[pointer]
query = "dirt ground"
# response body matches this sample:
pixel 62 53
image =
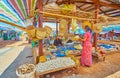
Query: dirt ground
pixel 99 69
pixel 5 43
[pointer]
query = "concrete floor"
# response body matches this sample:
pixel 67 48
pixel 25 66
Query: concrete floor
pixel 23 58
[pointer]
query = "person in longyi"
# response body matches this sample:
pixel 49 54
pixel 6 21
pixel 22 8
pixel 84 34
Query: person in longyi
pixel 58 42
pixel 86 57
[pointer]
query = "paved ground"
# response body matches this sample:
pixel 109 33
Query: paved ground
pixel 21 59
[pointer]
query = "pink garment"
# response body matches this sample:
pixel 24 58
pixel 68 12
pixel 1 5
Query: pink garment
pixel 86 57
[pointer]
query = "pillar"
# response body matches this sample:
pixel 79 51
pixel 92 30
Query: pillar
pixel 40 25
pixel 96 20
pixel 56 27
pixel 69 27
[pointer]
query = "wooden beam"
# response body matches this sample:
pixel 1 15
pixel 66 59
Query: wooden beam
pixel 102 11
pixel 63 16
pixel 115 15
pixel 110 1
pixel 88 7
pixel 109 11
pixel 62 2
pixel 114 12
pixel 91 9
pixel 109 5
pixel 82 5
pixel 46 2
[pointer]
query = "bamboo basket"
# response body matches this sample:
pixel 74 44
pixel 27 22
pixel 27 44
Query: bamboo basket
pixel 40 33
pixel 30 30
pixel 48 31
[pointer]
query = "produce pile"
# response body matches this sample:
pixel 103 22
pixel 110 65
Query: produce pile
pixel 55 63
pixel 25 69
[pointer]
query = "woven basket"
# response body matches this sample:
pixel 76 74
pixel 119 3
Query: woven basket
pixel 63 25
pixel 40 33
pixel 30 31
pixel 48 31
pixel 28 75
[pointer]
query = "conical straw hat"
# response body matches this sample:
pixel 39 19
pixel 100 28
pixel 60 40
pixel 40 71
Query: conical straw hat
pixel 86 23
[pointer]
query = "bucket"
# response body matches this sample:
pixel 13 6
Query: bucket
pixel 28 75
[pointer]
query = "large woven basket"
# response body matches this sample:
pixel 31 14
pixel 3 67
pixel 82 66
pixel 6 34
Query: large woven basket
pixel 30 30
pixel 48 31
pixel 40 33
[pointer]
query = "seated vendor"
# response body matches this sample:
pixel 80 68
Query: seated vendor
pixel 58 41
pixel 46 41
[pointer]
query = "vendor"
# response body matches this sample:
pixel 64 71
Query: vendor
pixel 86 57
pixel 58 41
pixel 51 41
pixel 46 41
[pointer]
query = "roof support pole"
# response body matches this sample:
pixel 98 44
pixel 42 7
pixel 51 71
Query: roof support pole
pixel 56 27
pixel 40 25
pixel 69 27
pixel 96 20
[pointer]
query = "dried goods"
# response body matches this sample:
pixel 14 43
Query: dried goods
pixel 55 63
pixel 26 68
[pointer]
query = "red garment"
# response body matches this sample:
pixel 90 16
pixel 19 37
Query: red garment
pixel 86 57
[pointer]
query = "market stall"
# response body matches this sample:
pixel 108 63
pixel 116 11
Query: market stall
pixel 50 58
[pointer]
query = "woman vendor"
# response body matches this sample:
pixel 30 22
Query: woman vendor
pixel 58 41
pixel 86 57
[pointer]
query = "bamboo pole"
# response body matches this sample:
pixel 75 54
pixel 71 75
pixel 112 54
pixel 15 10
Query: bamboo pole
pixel 64 16
pixel 40 19
pixel 12 24
pixel 60 9
pixel 56 27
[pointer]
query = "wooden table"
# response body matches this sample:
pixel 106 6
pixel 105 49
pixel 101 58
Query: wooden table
pixel 39 75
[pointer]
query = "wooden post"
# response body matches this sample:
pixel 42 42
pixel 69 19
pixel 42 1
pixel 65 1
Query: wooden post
pixel 40 19
pixel 69 27
pixel 34 21
pixel 56 27
pixel 96 17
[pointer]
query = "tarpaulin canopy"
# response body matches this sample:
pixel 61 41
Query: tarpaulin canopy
pixel 16 11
